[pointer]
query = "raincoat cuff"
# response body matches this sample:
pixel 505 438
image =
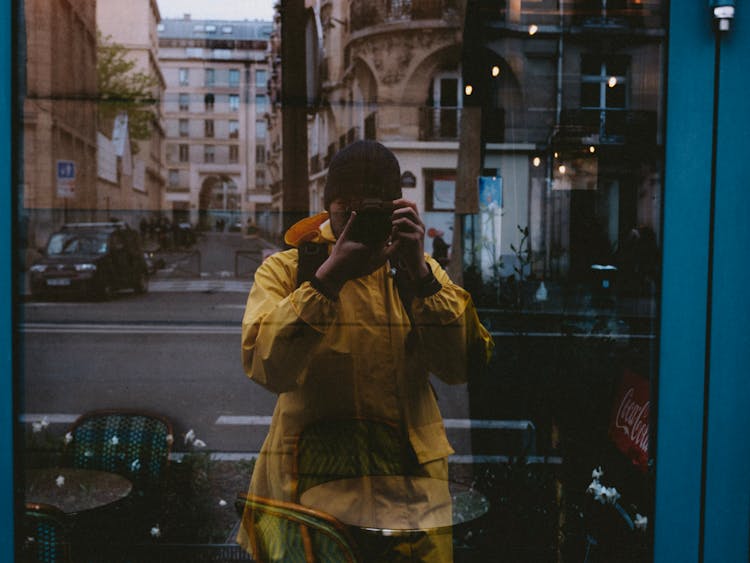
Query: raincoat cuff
pixel 313 307
pixel 441 308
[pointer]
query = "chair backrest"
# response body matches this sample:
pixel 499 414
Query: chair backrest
pixel 287 532
pixel 45 535
pixel 132 444
pixel 340 448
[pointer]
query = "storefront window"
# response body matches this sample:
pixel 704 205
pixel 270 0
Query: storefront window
pixel 530 139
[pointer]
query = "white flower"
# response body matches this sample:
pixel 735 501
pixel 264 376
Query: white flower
pixel 190 436
pixel 611 495
pixel 155 532
pixel 222 502
pixel 36 427
pixel 199 444
pixel 594 488
pixel 136 465
pixel 170 439
pixel 641 522
pixel 114 441
pixel 597 473
pixel 60 481
pixel 598 490
pixel 68 438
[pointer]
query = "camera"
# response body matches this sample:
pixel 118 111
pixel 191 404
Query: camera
pixel 372 225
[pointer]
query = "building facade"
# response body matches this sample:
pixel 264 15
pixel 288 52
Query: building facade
pixel 135 188
pixel 59 117
pixel 214 106
pixel 569 95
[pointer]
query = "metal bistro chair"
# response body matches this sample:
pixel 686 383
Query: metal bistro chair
pixel 135 445
pixel 333 449
pixel 46 536
pixel 285 532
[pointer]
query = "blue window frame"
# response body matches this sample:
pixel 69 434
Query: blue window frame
pixel 704 456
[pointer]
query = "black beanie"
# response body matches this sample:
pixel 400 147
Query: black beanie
pixel 364 169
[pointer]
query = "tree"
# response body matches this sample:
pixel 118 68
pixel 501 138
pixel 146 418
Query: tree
pixel 122 89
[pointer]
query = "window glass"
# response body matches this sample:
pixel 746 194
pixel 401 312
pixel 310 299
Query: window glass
pixel 234 102
pixel 209 153
pixel 261 78
pixel 529 139
pixel 234 77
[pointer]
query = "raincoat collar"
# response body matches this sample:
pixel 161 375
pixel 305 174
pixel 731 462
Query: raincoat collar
pixel 315 229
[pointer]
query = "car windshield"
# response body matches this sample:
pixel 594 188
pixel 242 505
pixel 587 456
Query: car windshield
pixel 61 244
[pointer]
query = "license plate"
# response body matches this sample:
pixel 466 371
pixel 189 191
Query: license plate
pixel 59 282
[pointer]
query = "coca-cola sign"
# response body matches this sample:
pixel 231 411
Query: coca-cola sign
pixel 628 426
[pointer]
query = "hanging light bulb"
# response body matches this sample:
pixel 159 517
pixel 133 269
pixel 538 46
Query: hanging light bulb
pixel 592 149
pixel 533 28
pixel 495 71
pixel 468 89
pixel 536 161
pixel 612 82
pixel 562 169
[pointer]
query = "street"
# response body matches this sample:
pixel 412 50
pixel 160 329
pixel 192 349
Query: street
pixel 176 351
pixel 173 351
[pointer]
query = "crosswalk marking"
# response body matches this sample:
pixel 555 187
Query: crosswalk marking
pixel 183 285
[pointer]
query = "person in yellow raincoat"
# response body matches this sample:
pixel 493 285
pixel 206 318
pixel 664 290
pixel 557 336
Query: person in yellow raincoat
pixel 347 343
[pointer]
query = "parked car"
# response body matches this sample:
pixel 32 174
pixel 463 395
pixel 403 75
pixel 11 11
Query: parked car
pixel 91 259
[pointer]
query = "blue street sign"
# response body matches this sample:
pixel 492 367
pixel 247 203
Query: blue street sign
pixel 66 169
pixel 66 178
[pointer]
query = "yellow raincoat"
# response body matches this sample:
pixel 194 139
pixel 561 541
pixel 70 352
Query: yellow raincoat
pixel 348 358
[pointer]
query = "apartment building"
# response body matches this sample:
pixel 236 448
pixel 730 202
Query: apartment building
pixel 59 116
pixel 135 190
pixel 568 98
pixel 214 109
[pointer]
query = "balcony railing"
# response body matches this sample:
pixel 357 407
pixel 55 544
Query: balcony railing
pixel 367 13
pixel 439 123
pixel 608 126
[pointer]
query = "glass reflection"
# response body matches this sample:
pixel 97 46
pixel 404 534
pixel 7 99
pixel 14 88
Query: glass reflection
pixel 528 134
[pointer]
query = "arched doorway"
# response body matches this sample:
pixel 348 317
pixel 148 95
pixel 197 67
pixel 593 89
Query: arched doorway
pixel 218 203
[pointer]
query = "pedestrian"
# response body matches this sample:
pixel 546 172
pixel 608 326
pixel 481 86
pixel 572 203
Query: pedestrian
pixel 439 246
pixel 349 325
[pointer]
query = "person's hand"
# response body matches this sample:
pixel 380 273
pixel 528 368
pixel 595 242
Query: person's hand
pixel 407 239
pixel 350 259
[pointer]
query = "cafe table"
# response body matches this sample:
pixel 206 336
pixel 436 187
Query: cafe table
pixel 75 491
pixel 397 504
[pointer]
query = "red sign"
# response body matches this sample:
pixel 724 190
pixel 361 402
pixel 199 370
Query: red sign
pixel 628 427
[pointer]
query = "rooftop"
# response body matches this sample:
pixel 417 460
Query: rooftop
pixel 241 30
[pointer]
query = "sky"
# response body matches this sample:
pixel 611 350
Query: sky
pixel 217 9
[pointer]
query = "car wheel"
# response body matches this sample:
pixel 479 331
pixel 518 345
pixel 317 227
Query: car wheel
pixel 141 284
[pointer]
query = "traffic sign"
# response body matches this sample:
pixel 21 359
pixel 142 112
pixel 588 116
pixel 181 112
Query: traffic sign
pixel 66 178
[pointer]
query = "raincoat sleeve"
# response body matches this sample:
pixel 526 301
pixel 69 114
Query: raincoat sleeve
pixel 282 325
pixel 452 339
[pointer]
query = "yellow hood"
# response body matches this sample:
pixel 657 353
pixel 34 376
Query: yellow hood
pixel 310 229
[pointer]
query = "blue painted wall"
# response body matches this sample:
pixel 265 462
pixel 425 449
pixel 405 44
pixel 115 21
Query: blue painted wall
pixel 703 456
